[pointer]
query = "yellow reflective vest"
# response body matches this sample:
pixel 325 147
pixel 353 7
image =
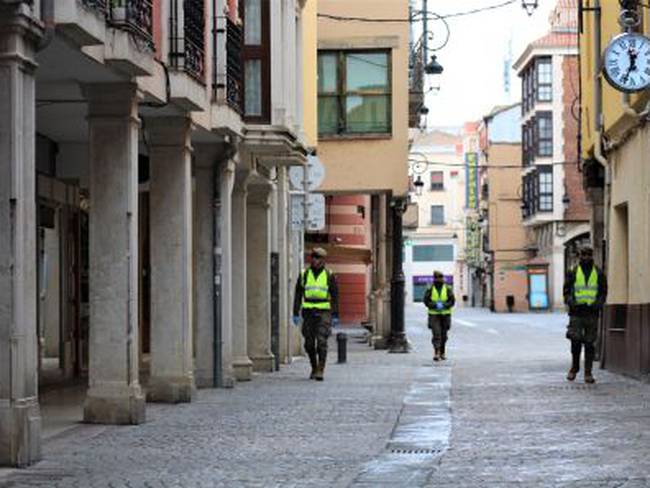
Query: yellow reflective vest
pixel 316 295
pixel 441 297
pixel 585 291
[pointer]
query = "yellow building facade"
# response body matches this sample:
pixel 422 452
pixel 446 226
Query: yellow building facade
pixel 310 71
pixel 362 125
pixel 616 156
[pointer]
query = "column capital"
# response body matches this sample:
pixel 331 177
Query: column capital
pixel 112 100
pixel 242 178
pixel 260 194
pixel 229 168
pixel 169 131
pixel 20 33
pixel 209 155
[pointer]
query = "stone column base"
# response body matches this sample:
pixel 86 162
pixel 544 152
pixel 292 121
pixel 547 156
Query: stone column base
pixel 399 345
pixel 264 363
pixel 204 379
pixel 20 433
pixel 121 406
pixel 170 390
pixel 242 369
pixel 207 381
pixel 229 377
pixel 379 342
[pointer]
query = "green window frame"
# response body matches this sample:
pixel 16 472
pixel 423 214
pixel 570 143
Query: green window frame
pixel 354 93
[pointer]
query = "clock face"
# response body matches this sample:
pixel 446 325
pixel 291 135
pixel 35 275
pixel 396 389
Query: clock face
pixel 627 62
pixel 419 167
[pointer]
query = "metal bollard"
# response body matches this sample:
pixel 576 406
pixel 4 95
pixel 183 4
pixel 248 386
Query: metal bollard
pixel 342 343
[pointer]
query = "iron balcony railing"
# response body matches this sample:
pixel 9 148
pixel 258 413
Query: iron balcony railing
pixel 134 16
pixel 187 42
pixel 234 72
pixel 99 5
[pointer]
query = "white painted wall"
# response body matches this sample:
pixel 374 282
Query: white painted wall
pixel 426 268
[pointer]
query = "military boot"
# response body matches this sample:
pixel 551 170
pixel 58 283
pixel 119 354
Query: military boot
pixel 589 364
pixel 571 375
pixel 320 372
pixel 320 369
pixel 443 353
pixel 436 355
pixel 314 367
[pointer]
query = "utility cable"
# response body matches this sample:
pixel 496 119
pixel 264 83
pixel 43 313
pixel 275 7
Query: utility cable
pixel 487 166
pixel 343 18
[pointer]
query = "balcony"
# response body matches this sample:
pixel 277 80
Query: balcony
pixel 234 66
pixel 187 38
pixel 100 6
pixel 134 16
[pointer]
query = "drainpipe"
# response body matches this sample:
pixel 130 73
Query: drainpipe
pixel 598 152
pixel 47 16
pixel 598 114
pixel 598 95
pixel 228 153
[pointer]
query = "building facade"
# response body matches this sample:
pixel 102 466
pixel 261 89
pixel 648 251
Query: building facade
pixel 615 160
pixel 144 149
pixel 438 191
pixel 363 144
pixel 506 244
pixel 554 206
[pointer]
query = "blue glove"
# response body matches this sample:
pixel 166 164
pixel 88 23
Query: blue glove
pixel 335 322
pixel 439 305
pixel 296 320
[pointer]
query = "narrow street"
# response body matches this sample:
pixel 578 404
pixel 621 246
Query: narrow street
pixel 498 413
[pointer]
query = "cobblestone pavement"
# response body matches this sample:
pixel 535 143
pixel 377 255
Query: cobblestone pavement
pixel 518 422
pixel 515 421
pixel 278 430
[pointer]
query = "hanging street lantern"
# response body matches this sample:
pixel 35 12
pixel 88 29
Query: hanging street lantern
pixel 529 6
pixel 419 185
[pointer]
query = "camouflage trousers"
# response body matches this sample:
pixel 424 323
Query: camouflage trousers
pixel 439 325
pixel 316 329
pixel 583 329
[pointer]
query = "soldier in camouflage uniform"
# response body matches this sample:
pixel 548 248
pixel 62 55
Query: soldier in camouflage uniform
pixel 585 292
pixel 317 295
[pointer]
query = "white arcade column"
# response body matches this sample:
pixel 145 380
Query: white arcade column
pixel 242 365
pixel 172 362
pixel 114 394
pixel 259 277
pixel 20 419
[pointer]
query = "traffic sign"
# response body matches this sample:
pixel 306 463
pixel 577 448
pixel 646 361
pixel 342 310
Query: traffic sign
pixel 315 212
pixel 315 174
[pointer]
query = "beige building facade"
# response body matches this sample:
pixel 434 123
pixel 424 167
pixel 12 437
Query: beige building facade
pixel 506 243
pixel 615 157
pixel 363 143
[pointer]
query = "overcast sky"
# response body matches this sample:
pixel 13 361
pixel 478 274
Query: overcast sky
pixel 473 60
